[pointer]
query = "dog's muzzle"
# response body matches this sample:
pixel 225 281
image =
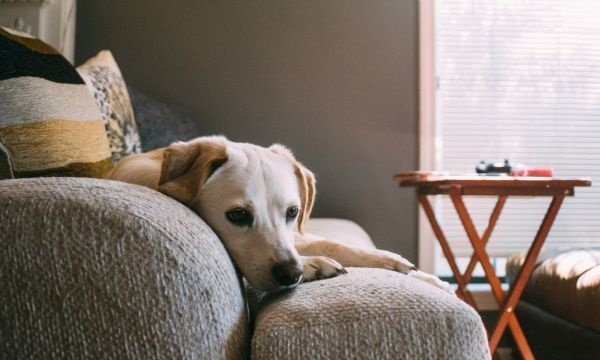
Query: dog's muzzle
pixel 287 273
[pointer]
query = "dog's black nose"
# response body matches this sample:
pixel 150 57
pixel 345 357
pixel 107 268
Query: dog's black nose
pixel 286 273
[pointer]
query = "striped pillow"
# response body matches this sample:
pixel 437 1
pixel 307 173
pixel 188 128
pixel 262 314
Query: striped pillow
pixel 50 124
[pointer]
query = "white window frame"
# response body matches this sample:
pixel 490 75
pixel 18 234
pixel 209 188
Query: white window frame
pixel 427 122
pixel 427 141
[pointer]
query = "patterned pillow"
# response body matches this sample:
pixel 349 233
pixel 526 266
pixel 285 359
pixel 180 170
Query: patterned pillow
pixel 49 122
pixel 104 79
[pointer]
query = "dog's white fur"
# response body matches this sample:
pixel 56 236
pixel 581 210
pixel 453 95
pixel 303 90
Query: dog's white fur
pixel 213 175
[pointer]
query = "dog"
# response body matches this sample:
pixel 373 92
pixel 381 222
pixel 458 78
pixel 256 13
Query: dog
pixel 257 200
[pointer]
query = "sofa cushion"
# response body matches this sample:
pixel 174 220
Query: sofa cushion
pixel 554 338
pixel 342 230
pixel 105 81
pixel 368 314
pixel 49 122
pixel 565 283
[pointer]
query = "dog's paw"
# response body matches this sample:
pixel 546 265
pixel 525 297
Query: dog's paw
pixel 320 267
pixel 392 261
pixel 432 280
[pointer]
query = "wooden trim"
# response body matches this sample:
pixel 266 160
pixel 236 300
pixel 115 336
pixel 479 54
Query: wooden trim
pixel 490 181
pixel 495 186
pixel 498 191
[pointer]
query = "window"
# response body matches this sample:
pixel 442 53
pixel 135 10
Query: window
pixel 517 80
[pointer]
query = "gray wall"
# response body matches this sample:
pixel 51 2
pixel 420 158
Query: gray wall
pixel 336 80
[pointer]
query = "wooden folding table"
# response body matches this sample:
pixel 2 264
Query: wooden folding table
pixel 501 187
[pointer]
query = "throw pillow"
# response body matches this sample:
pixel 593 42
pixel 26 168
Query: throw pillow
pixel 49 122
pixel 161 124
pixel 104 79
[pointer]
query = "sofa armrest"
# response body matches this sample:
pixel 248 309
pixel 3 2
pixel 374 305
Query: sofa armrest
pixel 367 314
pixel 102 269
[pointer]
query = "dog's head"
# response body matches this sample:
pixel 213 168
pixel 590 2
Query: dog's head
pixel 254 198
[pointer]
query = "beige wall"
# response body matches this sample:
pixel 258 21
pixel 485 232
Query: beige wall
pixel 336 80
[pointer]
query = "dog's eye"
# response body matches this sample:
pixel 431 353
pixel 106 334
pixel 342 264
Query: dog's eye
pixel 291 213
pixel 239 217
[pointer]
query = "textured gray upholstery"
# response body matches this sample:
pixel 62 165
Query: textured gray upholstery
pixel 368 314
pixel 102 269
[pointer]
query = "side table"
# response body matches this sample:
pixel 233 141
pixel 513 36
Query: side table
pixel 501 187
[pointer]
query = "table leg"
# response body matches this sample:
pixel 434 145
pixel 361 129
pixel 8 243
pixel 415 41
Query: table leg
pixel 481 254
pixel 486 235
pixel 439 234
pixel 507 311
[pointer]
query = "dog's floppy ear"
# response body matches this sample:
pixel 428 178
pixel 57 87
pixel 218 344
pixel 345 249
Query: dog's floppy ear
pixel 308 191
pixel 187 165
pixel 306 184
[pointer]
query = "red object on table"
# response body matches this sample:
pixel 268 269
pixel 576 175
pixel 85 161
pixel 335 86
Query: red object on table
pixel 541 172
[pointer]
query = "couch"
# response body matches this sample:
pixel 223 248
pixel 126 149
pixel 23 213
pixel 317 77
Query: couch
pixel 92 268
pixel 101 269
pixel 559 310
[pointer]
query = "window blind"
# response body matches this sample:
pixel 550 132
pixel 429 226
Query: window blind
pixel 520 80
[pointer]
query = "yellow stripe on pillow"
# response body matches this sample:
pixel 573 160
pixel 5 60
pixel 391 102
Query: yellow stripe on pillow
pixel 99 169
pixel 53 144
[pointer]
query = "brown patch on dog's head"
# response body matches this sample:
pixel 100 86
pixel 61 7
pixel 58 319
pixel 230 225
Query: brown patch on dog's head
pixel 306 184
pixel 188 165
